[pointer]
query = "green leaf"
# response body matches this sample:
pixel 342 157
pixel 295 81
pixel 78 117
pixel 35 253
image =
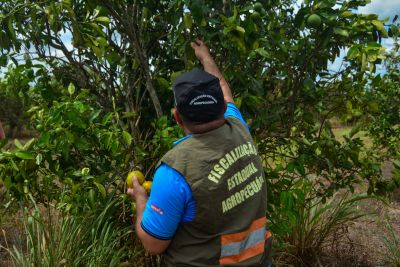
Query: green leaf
pixel 240 29
pixel 71 88
pixel 290 167
pixel 127 137
pixel 107 118
pixel 188 20
pixel 24 155
pixel 378 24
pixel 13 165
pixel 354 131
pixel 8 183
pixel 353 52
pixel 104 20
pixel 39 159
pixel 363 61
pixel 300 169
pixel 98 51
pixel 18 144
pixel 44 139
pixel 3 58
pixel 85 171
pixel 341 32
pixel 163 83
pixel 101 189
pixel 373 105
pixel 11 28
pixel 3 142
pixel 347 14
pixel 349 105
pixel 113 57
pixel 28 144
pixel 175 75
pixel 75 119
pixel 396 163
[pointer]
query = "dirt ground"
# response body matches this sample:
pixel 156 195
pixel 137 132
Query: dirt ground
pixel 363 244
pixel 11 228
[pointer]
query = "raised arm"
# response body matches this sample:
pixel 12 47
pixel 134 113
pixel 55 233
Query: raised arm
pixel 203 54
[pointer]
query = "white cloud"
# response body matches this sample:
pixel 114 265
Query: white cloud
pixel 384 8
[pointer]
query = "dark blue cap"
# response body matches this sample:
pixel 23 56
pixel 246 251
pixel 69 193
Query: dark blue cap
pixel 198 96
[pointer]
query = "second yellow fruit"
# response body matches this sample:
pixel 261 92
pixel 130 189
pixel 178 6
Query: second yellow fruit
pixel 147 185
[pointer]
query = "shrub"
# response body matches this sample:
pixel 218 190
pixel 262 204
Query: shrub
pixel 304 224
pixel 58 239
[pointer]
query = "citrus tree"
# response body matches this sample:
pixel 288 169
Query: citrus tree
pixel 100 86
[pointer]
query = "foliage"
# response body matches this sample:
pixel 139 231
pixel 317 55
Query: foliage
pixel 81 150
pixel 383 98
pixel 304 225
pixel 282 83
pixel 58 239
pixel 14 102
pixel 74 142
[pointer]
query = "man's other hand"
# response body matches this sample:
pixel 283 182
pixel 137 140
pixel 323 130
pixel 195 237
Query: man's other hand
pixel 201 50
pixel 137 191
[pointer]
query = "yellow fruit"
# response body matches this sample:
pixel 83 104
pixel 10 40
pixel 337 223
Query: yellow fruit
pixel 139 175
pixel 147 185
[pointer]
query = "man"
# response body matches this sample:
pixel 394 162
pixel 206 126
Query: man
pixel 208 201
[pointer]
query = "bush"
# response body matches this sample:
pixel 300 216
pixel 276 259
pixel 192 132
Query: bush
pixel 60 239
pixel 14 101
pixel 304 225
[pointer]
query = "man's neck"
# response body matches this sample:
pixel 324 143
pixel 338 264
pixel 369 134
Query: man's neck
pixel 205 127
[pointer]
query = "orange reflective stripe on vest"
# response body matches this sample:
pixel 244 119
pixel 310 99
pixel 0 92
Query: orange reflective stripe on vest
pixel 241 246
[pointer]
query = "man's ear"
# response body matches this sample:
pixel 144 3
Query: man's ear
pixel 177 117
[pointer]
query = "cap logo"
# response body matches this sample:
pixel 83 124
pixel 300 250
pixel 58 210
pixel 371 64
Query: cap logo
pixel 209 99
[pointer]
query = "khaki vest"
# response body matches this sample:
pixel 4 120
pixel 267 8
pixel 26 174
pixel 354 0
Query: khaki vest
pixel 226 176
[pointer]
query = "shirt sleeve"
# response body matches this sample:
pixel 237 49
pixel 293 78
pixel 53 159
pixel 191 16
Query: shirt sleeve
pixel 170 203
pixel 233 111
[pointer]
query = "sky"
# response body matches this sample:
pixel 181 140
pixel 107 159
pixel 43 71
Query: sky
pixel 384 9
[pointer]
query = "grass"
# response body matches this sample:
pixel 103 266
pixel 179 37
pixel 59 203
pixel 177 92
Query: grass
pixel 391 241
pixel 340 132
pixel 314 225
pixel 54 239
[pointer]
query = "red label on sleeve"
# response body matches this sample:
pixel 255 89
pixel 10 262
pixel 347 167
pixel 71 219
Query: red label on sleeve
pixel 157 209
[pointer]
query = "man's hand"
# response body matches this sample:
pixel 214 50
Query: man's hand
pixel 137 192
pixel 201 51
pixel 203 54
pixel 152 245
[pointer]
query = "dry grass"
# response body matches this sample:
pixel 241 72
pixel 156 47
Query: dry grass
pixel 340 132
